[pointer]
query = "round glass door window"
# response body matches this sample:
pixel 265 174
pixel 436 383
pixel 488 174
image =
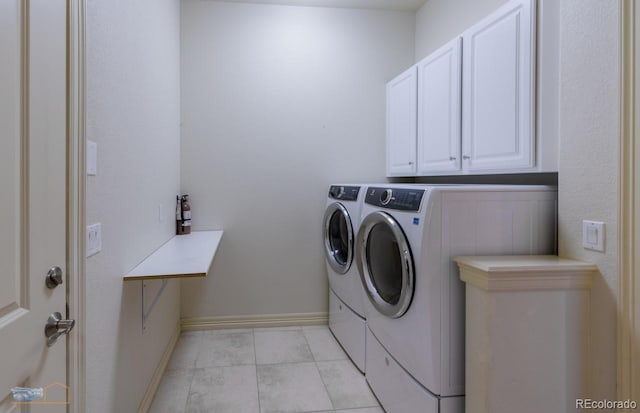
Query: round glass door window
pixel 386 264
pixel 338 238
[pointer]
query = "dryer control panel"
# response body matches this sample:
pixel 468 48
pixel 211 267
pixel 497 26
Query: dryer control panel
pixel 402 199
pixel 345 193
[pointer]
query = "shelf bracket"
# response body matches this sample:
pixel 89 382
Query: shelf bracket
pixel 146 312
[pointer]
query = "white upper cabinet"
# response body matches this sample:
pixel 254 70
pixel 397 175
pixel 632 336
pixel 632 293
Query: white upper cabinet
pixel 439 110
pixel 401 124
pixel 498 91
pixel 474 99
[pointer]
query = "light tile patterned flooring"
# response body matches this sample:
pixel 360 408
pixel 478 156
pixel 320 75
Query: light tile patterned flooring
pixel 262 370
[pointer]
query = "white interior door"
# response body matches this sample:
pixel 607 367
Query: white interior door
pixel 33 201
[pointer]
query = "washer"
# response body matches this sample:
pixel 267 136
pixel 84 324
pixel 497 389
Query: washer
pixel 346 295
pixel 415 307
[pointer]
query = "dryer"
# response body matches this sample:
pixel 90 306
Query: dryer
pixel 346 295
pixel 415 306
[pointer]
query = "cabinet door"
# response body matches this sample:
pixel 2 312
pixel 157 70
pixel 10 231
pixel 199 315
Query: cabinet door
pixel 498 90
pixel 401 124
pixel 439 110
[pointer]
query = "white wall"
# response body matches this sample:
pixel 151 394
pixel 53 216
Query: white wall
pixel 277 103
pixel 439 21
pixel 133 107
pixel 588 176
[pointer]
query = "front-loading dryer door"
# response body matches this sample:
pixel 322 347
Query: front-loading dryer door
pixel 338 238
pixel 386 264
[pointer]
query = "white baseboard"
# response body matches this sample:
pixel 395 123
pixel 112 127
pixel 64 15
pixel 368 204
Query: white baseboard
pixel 145 404
pixel 254 321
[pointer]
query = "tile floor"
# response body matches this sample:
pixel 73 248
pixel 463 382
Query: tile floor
pixel 262 370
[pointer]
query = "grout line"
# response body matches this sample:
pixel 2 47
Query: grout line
pixel 288 363
pixel 199 340
pixel 255 351
pixel 313 356
pixel 255 358
pixel 326 389
pixel 315 362
pixel 193 375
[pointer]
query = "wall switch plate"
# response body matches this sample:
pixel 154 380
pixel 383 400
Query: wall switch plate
pixel 94 239
pixel 593 235
pixel 92 158
pixel 160 213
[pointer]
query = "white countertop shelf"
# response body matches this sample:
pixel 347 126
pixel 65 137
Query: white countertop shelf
pixel 181 257
pixel 525 272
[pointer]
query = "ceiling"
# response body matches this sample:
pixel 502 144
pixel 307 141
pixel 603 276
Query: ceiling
pixel 408 5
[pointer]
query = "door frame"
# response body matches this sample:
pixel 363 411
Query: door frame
pixel 76 184
pixel 629 205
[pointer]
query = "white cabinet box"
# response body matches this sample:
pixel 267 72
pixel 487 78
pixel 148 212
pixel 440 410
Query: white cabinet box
pixel 478 108
pixel 526 333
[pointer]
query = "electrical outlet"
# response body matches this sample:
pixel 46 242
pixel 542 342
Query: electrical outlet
pixel 94 239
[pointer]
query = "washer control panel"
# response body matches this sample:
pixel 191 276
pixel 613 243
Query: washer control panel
pixel 402 199
pixel 344 193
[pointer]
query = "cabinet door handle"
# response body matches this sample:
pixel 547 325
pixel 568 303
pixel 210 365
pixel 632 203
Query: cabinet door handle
pixel 410 163
pixel 466 157
pixel 452 158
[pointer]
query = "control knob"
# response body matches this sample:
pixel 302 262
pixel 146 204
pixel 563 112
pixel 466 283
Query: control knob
pixel 385 197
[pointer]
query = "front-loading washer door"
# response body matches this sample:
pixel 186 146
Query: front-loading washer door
pixel 338 238
pixel 386 264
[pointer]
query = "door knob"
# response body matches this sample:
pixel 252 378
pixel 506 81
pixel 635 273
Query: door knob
pixel 54 277
pixel 56 327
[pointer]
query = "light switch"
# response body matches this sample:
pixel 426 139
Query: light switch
pixel 593 235
pixel 92 158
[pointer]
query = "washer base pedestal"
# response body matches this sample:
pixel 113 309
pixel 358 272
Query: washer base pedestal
pixel 349 329
pixel 396 390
